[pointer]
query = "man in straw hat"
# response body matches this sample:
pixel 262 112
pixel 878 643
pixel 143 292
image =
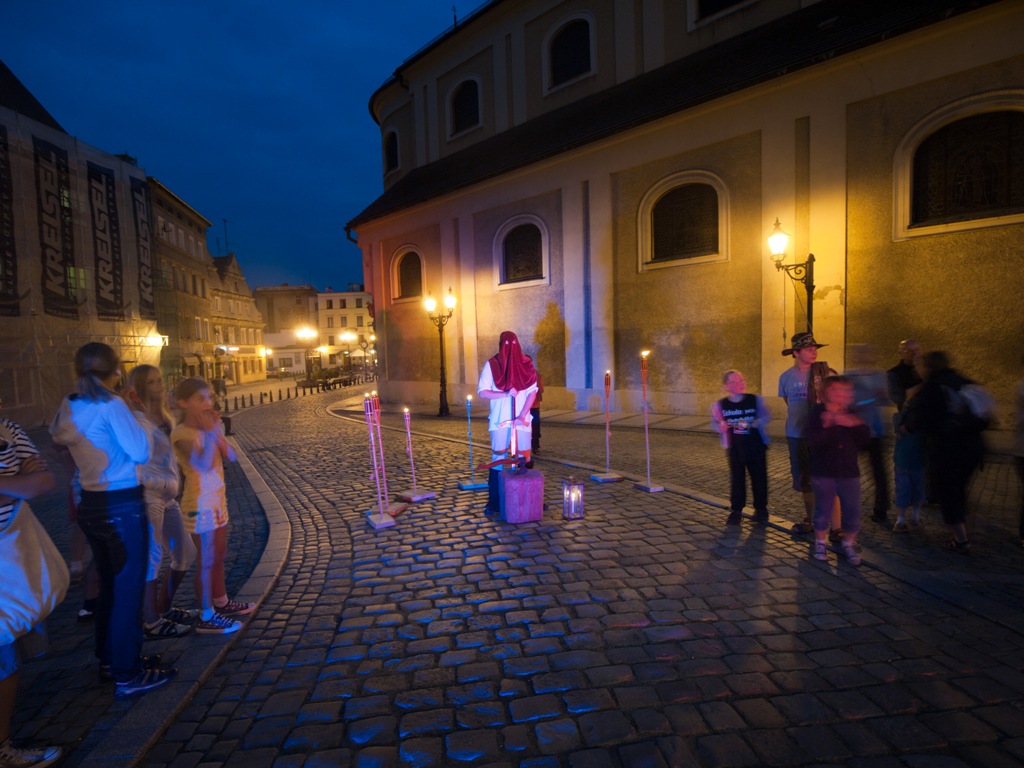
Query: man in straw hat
pixel 793 389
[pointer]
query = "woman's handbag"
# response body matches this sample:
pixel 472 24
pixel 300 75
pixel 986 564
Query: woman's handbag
pixel 35 577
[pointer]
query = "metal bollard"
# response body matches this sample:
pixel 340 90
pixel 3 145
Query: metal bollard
pixel 250 399
pixel 261 398
pixel 289 391
pixel 236 402
pixel 226 421
pixel 226 410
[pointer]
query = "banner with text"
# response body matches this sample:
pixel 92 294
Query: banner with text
pixel 106 243
pixel 56 238
pixel 9 305
pixel 140 211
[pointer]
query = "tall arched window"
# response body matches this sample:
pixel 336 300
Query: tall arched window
pixel 521 251
pixel 522 254
pixel 465 107
pixel 390 152
pixel 970 169
pixel 683 219
pixel 684 223
pixel 409 274
pixel 569 52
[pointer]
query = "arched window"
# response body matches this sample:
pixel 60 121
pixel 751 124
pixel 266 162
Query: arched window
pixel 409 275
pixel 390 152
pixel 569 52
pixel 684 223
pixel 970 169
pixel 465 107
pixel 683 219
pixel 522 254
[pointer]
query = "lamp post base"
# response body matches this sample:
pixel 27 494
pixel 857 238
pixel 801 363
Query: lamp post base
pixel 648 488
pixel 378 521
pixel 414 496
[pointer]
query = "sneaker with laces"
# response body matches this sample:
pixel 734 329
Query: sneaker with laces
pixel 147 679
pixel 182 615
pixel 13 757
pixel 850 552
pixel 231 608
pixel 218 625
pixel 164 628
pixel 151 661
pixel 820 550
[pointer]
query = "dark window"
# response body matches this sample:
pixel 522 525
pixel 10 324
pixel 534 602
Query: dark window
pixel 707 8
pixel 523 254
pixel 465 107
pixel 970 169
pixel 684 223
pixel 570 52
pixel 410 276
pixel 390 152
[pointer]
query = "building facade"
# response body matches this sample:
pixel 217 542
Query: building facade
pixel 76 257
pixel 290 317
pixel 239 352
pixel 183 287
pixel 345 325
pixel 602 177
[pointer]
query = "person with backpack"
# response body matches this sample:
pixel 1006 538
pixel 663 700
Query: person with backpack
pixel 951 412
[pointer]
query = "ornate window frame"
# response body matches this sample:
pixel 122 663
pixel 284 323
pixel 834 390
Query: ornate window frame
pixel 645 249
pixel 450 115
pixel 498 253
pixel 396 282
pixel 903 164
pixel 550 87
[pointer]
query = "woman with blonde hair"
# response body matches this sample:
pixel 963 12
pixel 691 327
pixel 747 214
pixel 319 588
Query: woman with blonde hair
pixel 159 477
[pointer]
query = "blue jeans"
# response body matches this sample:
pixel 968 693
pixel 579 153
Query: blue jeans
pixel 116 526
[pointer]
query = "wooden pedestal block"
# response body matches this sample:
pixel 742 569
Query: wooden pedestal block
pixel 522 496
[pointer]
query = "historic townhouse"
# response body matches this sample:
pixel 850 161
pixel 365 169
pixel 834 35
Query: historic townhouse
pixel 602 177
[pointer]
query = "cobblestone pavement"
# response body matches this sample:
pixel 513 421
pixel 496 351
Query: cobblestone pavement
pixel 646 635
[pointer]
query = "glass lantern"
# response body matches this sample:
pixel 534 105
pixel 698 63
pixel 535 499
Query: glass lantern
pixel 572 498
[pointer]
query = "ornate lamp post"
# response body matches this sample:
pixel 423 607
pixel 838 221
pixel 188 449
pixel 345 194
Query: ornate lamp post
pixel 799 273
pixel 308 337
pixel 440 319
pixel 364 344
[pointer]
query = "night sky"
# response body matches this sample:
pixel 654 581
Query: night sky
pixel 250 111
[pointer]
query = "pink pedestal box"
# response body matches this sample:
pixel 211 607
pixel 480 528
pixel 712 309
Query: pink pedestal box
pixel 522 496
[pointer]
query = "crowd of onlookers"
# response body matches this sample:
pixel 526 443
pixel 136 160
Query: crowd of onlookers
pixel 833 419
pixel 146 486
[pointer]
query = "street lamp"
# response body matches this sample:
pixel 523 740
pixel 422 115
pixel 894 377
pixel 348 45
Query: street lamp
pixel 347 338
pixel 308 336
pixel 799 273
pixel 364 344
pixel 440 319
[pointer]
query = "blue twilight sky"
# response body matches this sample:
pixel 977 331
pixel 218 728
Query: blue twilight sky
pixel 250 111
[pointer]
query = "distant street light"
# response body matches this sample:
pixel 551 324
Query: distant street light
pixel 308 337
pixel 347 338
pixel 799 273
pixel 440 319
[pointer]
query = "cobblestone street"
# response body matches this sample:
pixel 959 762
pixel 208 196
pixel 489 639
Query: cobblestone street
pixel 647 634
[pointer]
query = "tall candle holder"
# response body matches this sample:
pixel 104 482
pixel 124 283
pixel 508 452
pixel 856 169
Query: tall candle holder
pixel 414 495
pixel 648 487
pixel 608 476
pixel 472 484
pixel 381 519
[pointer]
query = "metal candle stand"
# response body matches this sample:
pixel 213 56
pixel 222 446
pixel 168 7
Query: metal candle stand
pixel 647 435
pixel 413 495
pixel 608 476
pixel 385 516
pixel 472 484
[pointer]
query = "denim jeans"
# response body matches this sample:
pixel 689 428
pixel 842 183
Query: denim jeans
pixel 826 489
pixel 116 526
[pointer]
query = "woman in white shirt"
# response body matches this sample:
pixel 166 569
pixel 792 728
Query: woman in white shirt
pixel 108 445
